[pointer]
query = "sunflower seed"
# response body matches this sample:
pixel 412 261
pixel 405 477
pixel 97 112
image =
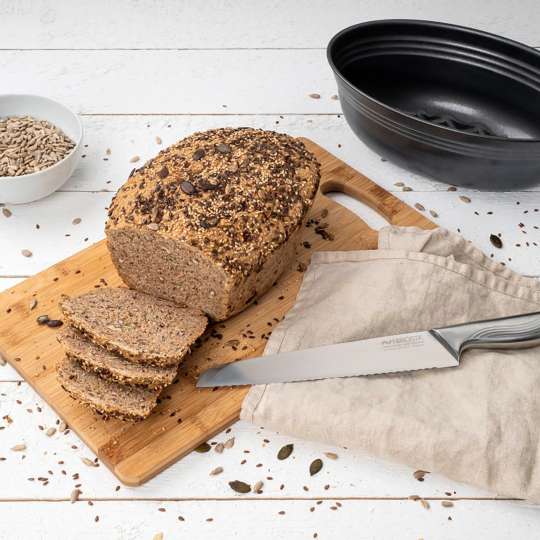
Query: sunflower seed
pixel 420 207
pixel 239 486
pixel 134 159
pixel 76 221
pixel 315 467
pixel 229 443
pixel 54 323
pixel 18 447
pixel 88 462
pixel 399 184
pixel 187 187
pixel 465 199
pixel 26 253
pixel 434 214
pixel 219 448
pixel 74 497
pixel 33 304
pixel 203 448
pixel 6 212
pixel 407 188
pixel 315 96
pixel 285 451
pixel 50 432
pixel 331 455
pixel 419 474
pixel 42 319
pixel 62 426
pixel 257 487
pixel 447 504
pixel 496 241
pixel 452 188
pixel 216 471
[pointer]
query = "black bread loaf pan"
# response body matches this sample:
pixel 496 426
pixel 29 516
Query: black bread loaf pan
pixel 456 104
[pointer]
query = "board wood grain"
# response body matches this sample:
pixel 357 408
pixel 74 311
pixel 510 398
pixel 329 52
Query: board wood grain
pixel 186 416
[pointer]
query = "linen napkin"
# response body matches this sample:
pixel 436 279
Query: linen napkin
pixel 478 423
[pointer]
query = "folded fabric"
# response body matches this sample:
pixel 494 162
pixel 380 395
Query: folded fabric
pixel 478 423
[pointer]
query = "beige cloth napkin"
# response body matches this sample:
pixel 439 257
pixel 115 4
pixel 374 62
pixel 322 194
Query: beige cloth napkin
pixel 478 423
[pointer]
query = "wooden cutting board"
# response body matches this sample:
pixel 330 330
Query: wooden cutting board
pixel 186 416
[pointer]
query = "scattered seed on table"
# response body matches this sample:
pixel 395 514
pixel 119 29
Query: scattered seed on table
pixel 418 206
pixel 219 448
pixel 54 323
pixel 50 432
pixel 257 487
pixel 315 96
pixel 334 97
pixel 331 455
pixel 447 504
pixel 88 462
pixel 26 253
pixel 42 319
pixel 434 214
pixel 229 443
pixel 239 486
pixel 465 199
pixel 74 497
pixel 76 221
pixel 399 184
pixel 425 504
pixel 315 467
pixel 158 140
pixel 18 447
pixel 496 241
pixel 407 188
pixel 216 471
pixel 203 448
pixel 134 159
pixel 33 304
pixel 285 451
pixel 452 188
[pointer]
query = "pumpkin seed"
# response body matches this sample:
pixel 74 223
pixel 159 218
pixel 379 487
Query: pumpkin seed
pixel 331 455
pixel 239 486
pixel 203 448
pixel 315 467
pixel 496 241
pixel 285 451
pixel 216 471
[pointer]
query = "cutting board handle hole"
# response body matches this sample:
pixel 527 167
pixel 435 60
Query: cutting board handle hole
pixel 371 217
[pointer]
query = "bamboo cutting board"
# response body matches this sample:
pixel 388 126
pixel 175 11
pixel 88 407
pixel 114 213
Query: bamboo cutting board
pixel 186 416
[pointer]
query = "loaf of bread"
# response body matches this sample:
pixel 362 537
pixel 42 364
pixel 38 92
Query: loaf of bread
pixel 213 220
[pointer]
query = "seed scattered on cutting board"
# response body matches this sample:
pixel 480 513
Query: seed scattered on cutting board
pixel 257 487
pixel 42 319
pixel 203 448
pixel 331 455
pixel 420 207
pixel 18 447
pixel 464 198
pixel 239 486
pixel 315 96
pixel 447 504
pixel 54 323
pixel 7 212
pixel 76 221
pixel 285 451
pixel 26 253
pixel 134 159
pixel 315 467
pixel 33 304
pixel 30 145
pixel 496 241
pixel 216 471
pixel 419 474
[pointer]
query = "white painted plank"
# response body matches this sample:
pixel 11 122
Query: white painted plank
pixel 245 23
pixel 351 475
pixel 189 82
pixel 359 519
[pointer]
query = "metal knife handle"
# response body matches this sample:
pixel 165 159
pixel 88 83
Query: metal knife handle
pixel 516 332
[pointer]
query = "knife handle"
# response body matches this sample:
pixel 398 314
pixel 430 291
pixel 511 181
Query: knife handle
pixel 516 332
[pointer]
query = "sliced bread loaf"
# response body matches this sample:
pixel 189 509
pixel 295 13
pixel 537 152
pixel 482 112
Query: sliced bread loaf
pixel 213 220
pixel 112 366
pixel 135 325
pixel 105 397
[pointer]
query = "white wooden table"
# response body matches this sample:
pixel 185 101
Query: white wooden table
pixel 137 70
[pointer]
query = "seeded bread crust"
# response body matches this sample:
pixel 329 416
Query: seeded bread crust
pixel 111 366
pixel 137 326
pixel 107 398
pixel 210 221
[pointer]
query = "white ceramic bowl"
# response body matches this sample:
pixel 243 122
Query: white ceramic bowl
pixel 30 187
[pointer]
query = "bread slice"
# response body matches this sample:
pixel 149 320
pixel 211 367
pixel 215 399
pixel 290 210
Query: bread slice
pixel 105 397
pixel 111 366
pixel 135 325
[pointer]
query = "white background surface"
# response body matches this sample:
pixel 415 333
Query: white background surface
pixel 140 69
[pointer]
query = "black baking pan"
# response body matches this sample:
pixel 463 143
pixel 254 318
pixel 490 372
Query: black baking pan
pixel 456 104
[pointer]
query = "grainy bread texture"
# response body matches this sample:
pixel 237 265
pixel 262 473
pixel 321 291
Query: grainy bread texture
pixel 135 325
pixel 111 366
pixel 108 398
pixel 213 220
